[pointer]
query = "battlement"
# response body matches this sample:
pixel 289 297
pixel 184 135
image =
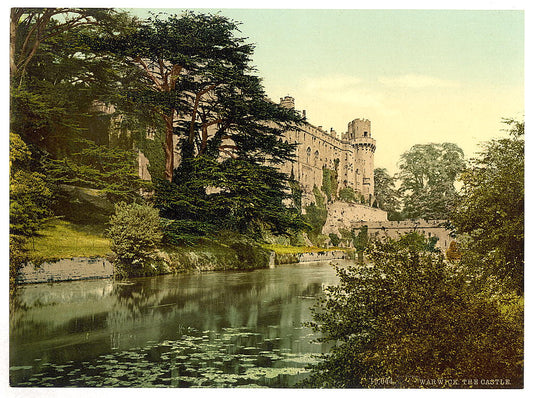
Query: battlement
pixel 351 155
pixel 287 102
pixel 358 128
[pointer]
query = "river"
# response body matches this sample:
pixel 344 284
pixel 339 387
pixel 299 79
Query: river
pixel 216 329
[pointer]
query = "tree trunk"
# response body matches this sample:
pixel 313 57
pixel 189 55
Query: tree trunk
pixel 169 146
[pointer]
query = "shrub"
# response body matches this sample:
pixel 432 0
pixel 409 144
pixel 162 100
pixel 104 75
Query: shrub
pixel 29 198
pixel 135 234
pixel 334 239
pixel 347 195
pixel 408 316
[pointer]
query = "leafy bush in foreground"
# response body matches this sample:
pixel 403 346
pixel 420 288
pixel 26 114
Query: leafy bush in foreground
pixel 135 233
pixel 408 316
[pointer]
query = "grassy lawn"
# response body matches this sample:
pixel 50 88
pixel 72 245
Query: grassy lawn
pixel 62 239
pixel 283 249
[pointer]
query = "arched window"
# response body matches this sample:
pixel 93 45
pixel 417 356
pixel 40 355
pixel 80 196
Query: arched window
pixel 316 158
pixel 308 154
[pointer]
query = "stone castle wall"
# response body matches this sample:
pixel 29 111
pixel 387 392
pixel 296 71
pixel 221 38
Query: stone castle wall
pixel 344 215
pixel 67 269
pixel 394 229
pixel 318 148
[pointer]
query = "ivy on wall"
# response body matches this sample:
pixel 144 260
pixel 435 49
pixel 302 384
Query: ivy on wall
pixel 330 182
pixel 151 146
pixel 316 215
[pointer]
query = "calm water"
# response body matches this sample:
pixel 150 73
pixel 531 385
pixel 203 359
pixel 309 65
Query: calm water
pixel 220 329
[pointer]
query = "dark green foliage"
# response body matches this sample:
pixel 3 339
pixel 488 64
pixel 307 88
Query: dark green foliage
pixel 52 96
pixel 489 214
pixel 360 242
pixel 348 195
pixel 207 195
pixel 315 216
pixel 395 216
pixel 296 193
pixel 195 66
pixel 329 183
pixel 427 176
pixel 29 200
pixel 334 239
pixel 407 315
pixel 113 171
pixel 385 192
pixel 135 232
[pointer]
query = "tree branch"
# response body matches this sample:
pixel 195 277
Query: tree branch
pixel 149 73
pixel 195 109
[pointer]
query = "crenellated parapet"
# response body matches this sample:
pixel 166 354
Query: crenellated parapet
pixel 351 155
pixel 365 143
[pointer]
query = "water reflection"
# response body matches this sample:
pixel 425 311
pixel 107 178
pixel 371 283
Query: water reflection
pixel 250 316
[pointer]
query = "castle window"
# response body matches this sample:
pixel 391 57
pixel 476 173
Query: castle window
pixel 316 158
pixel 308 154
pixel 150 133
pixel 366 133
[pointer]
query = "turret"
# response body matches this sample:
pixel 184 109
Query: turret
pixel 359 135
pixel 358 128
pixel 287 102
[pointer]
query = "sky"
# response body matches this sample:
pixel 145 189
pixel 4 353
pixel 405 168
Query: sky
pixel 419 76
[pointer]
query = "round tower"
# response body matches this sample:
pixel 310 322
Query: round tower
pixel 287 102
pixel 360 137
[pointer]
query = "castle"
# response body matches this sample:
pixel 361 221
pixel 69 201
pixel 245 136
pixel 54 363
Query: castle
pixel 351 155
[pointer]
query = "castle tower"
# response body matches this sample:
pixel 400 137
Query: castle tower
pixel 287 102
pixel 360 137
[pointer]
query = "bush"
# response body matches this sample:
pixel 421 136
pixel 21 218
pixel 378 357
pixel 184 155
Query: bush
pixel 29 198
pixel 408 316
pixel 135 234
pixel 348 195
pixel 334 239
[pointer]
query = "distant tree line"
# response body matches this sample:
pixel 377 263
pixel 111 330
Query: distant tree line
pixel 426 183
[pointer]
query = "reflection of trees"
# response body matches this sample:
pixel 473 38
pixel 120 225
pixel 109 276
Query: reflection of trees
pixel 124 315
pixel 211 302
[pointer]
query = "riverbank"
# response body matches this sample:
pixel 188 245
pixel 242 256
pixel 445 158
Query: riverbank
pixel 209 256
pixel 69 252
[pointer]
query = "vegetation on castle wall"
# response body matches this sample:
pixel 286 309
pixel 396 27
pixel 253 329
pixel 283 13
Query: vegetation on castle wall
pixel 329 183
pixel 296 193
pixel 152 149
pixel 334 239
pixel 315 216
pixel 348 195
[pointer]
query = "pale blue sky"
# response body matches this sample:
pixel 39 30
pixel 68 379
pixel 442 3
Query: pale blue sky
pixel 419 75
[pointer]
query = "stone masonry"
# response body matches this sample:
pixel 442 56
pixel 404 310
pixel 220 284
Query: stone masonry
pixel 67 269
pixel 318 148
pixel 394 229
